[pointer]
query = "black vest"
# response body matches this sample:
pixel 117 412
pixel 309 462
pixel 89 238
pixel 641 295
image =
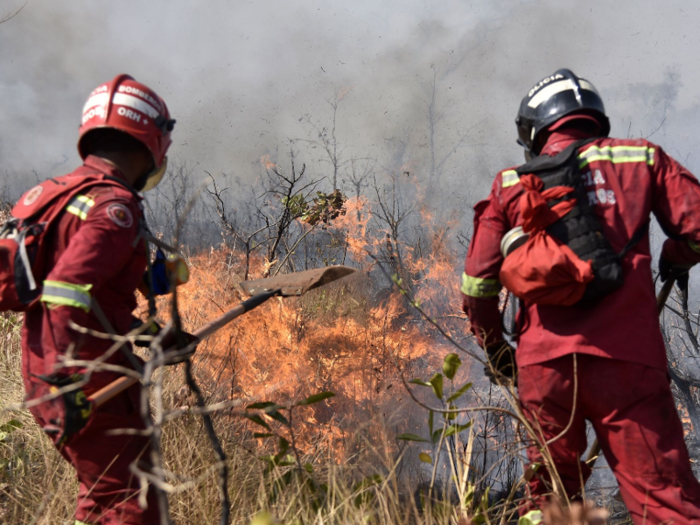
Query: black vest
pixel 580 229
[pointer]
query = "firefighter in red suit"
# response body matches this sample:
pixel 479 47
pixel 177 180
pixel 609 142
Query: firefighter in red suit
pixel 612 352
pixel 96 260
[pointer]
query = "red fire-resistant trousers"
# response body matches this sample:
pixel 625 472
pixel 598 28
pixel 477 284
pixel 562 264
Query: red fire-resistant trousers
pixel 108 493
pixel 634 417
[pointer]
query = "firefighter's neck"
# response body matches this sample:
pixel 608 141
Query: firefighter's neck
pixel 133 165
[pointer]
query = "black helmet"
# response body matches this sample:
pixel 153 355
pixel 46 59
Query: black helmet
pixel 554 97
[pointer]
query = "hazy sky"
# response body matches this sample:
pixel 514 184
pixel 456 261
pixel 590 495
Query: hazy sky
pixel 239 75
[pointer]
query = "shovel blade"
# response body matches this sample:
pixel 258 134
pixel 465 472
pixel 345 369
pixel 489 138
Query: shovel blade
pixel 298 283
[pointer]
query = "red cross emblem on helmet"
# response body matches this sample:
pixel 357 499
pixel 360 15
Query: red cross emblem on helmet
pixel 133 108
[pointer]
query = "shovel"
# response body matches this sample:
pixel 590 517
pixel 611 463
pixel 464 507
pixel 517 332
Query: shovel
pixel 288 285
pixel 661 299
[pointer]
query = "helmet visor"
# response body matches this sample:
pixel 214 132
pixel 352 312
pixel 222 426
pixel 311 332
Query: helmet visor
pixel 156 176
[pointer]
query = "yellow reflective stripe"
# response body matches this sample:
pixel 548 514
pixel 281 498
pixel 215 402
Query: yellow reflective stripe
pixel 80 205
pixel 617 155
pixel 534 517
pixel 509 178
pixel 66 294
pixel 477 287
pixel 694 246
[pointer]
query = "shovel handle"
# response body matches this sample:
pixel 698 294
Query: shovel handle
pixel 118 386
pixel 660 303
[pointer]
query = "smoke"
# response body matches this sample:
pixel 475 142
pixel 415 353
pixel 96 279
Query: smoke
pixel 432 83
pixel 426 87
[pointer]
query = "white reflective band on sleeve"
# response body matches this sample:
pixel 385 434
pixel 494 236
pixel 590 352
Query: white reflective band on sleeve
pixel 66 294
pixel 122 99
pixel 80 206
pixel 509 178
pixel 617 155
pixel 557 87
pixel 477 287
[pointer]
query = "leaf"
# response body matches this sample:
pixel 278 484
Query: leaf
pixel 262 405
pixel 284 446
pixel 9 427
pixel 436 383
pixel 425 458
pixel 456 429
pixel 308 467
pixel 451 365
pixel 411 437
pixel 315 398
pixel 257 419
pixel 451 416
pixel 261 435
pixel 460 392
pixel 435 437
pixel 278 417
pixel 419 382
pixel 430 421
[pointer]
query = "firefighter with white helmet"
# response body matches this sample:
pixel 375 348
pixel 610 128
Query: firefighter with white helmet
pixel 573 222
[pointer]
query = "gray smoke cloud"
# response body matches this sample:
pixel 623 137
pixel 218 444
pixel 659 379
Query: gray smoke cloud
pixel 239 76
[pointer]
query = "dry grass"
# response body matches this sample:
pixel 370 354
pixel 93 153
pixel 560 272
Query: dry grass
pixel 38 487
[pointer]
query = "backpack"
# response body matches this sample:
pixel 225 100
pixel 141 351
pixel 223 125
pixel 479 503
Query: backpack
pixel 566 259
pixel 23 237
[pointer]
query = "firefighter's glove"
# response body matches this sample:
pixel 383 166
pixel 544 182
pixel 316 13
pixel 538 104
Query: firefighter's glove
pixel 152 330
pixel 178 346
pixel 71 408
pixel 678 272
pixel 501 357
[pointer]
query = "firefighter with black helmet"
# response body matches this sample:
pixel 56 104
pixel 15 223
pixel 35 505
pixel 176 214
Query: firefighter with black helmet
pixel 591 357
pixel 94 257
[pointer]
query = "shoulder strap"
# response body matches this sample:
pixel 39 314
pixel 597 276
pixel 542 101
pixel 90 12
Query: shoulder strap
pixel 544 162
pixel 125 184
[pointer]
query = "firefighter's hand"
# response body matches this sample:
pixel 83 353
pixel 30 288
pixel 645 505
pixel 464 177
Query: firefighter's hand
pixel 152 330
pixel 678 272
pixel 178 346
pixel 501 357
pixel 71 409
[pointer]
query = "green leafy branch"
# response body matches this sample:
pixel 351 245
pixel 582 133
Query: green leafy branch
pixel 286 465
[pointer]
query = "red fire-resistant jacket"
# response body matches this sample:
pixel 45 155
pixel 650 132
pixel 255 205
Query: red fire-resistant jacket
pixel 627 180
pixel 93 255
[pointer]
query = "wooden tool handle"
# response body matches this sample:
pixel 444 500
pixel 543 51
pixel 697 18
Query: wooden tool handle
pixel 118 386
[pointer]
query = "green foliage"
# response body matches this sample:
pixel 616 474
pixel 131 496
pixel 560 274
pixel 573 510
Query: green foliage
pixel 437 384
pixel 363 488
pixel 284 469
pixel 9 427
pixel 325 207
pixel 315 398
pixel 451 365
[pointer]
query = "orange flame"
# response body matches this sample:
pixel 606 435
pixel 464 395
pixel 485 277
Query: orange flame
pixel 338 338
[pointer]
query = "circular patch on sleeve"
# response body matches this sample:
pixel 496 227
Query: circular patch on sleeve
pixel 33 195
pixel 120 215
